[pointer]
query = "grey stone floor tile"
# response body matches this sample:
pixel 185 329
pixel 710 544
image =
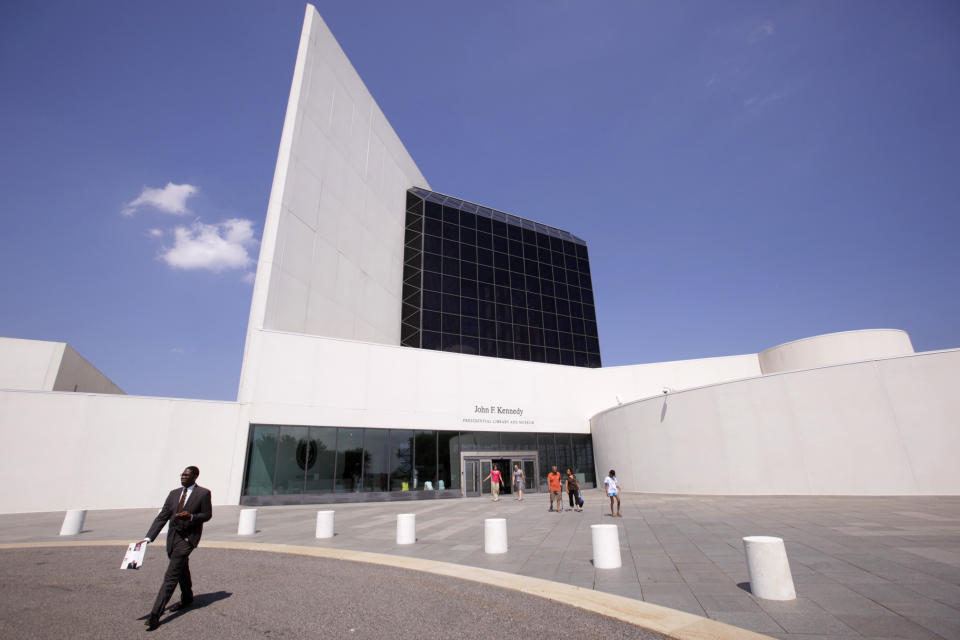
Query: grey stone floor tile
pixel 851 605
pixel 812 623
pixel 887 626
pixel 627 591
pixel 924 608
pixel 727 602
pixel 800 605
pixel 754 621
pixel 658 576
pixel 826 590
pixel 705 576
pixel 718 588
pixel 946 628
pixel 888 593
pixel 944 593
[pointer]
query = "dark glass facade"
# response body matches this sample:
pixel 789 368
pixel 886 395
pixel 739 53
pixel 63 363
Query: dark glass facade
pixel 293 465
pixel 485 282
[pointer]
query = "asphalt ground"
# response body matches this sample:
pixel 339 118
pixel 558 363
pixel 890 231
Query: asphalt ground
pixel 80 592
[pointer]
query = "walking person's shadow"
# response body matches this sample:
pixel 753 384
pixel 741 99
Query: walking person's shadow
pixel 200 600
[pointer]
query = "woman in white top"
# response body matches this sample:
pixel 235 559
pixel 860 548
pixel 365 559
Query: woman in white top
pixel 610 482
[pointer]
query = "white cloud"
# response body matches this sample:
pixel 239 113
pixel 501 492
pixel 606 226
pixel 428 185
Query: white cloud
pixel 249 277
pixel 761 32
pixel 170 199
pixel 215 247
pixel 176 350
pixel 155 233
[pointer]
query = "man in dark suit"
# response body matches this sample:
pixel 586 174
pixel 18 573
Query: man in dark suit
pixel 186 509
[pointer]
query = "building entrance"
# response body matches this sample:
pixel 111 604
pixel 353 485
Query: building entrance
pixel 476 465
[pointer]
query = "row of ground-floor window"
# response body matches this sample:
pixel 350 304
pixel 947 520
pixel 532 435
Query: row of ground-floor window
pixel 294 464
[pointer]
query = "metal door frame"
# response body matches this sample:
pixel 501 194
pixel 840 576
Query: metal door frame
pixel 478 457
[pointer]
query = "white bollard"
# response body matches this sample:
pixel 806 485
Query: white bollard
pixel 606 546
pixel 769 569
pixel 73 522
pixel 495 535
pixel 324 524
pixel 248 522
pixel 406 528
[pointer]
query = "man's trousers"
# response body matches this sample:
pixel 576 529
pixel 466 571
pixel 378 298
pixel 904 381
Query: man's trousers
pixel 178 572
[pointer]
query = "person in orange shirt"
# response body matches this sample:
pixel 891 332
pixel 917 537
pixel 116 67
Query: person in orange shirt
pixel 553 482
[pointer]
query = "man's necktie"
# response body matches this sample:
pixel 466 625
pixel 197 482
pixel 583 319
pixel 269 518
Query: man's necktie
pixel 183 498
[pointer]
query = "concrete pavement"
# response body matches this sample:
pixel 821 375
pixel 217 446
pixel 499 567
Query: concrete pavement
pixel 874 567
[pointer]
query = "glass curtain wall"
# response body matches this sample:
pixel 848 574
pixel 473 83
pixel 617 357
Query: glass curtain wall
pixel 289 460
pixel 481 281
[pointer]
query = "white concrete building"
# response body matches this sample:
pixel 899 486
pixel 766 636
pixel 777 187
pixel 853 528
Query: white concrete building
pixel 332 407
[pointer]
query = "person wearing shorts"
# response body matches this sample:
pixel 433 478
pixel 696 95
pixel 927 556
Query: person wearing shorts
pixel 553 483
pixel 613 490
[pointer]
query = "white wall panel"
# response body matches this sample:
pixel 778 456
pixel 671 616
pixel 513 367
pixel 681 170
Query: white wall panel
pixel 835 348
pixel 29 364
pixel 374 385
pixel 69 443
pixel 340 180
pixel 882 427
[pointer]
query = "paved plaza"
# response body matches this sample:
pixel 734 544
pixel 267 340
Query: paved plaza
pixel 874 567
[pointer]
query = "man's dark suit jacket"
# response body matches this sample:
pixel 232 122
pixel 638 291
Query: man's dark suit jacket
pixel 198 505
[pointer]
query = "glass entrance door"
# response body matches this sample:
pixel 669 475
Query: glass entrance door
pixel 470 485
pixel 476 466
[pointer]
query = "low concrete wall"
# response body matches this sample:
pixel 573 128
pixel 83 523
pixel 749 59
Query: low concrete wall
pixel 91 451
pixel 883 427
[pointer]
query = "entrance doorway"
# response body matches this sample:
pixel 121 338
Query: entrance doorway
pixel 476 465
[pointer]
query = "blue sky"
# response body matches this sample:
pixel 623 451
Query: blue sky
pixel 745 173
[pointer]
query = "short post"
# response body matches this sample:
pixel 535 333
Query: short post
pixel 606 546
pixel 495 535
pixel 406 528
pixel 769 569
pixel 324 524
pixel 248 522
pixel 73 522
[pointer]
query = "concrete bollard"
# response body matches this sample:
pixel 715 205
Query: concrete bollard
pixel 324 524
pixel 606 546
pixel 73 522
pixel 495 535
pixel 769 569
pixel 406 528
pixel 248 522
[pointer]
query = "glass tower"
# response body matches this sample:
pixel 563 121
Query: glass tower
pixel 481 281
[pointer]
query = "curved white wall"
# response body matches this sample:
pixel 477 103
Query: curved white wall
pixel 835 348
pixel 885 427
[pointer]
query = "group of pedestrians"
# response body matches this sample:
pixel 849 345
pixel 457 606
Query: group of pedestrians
pixel 556 483
pixel 496 481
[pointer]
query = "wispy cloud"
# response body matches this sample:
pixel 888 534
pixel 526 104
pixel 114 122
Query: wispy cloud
pixel 176 350
pixel 249 277
pixel 155 233
pixel 169 199
pixel 759 101
pixel 214 247
pixel 761 32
